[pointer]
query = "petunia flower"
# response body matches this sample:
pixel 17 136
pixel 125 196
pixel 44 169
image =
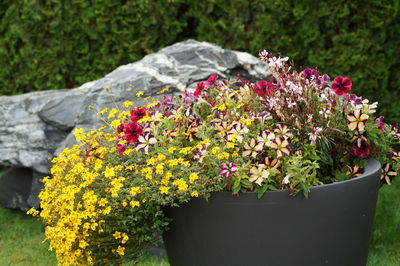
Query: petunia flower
pixel 252 148
pixel 281 146
pixel 138 113
pixel 258 174
pixel 362 150
pixel 199 88
pixel 132 132
pixel 263 88
pixel 266 138
pixel 283 131
pixel 341 85
pixel 354 171
pixel 270 162
pixel 237 132
pixel 227 169
pixel 310 73
pixel 387 173
pixel 145 142
pixel 357 120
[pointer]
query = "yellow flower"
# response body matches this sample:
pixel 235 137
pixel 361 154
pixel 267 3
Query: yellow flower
pixel 102 202
pixel 214 150
pixel 107 210
pixel 120 251
pixel 112 113
pixel 162 91
pixel 164 189
pixel 135 191
pixel 125 238
pixel 193 177
pixel 134 203
pixel 194 194
pixel 32 211
pixel 117 235
pixel 160 168
pixel 105 110
pixel 151 161
pixel 83 244
pixel 181 184
pixel 115 123
pixel 139 94
pixel 109 172
pixel 161 157
pixel 171 149
pixel 230 145
pixel 128 104
pixel 124 203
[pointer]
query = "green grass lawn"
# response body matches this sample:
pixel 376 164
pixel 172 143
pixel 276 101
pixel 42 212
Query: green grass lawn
pixel 21 236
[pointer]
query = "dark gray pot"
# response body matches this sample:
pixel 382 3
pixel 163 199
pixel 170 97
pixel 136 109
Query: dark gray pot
pixel 331 227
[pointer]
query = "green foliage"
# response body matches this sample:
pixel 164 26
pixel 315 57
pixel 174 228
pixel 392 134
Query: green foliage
pixel 62 44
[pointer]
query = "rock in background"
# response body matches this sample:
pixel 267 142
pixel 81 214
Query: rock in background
pixel 35 126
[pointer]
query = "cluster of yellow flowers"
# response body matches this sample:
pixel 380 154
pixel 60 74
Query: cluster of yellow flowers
pixel 95 192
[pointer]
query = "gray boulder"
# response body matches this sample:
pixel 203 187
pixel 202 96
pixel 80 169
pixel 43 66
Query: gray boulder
pixel 35 126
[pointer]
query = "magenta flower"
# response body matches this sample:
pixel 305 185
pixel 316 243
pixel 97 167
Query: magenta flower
pixel 387 173
pixel 121 149
pixel 200 87
pixel 227 169
pixel 132 132
pixel 138 113
pixel 341 85
pixel 309 73
pixel 379 122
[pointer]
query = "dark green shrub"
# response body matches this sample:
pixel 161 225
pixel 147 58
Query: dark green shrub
pixel 56 44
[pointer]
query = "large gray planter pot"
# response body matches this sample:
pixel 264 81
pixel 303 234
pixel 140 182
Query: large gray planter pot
pixel 331 227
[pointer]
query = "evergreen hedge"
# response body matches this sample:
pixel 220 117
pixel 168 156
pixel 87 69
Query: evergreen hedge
pixel 53 44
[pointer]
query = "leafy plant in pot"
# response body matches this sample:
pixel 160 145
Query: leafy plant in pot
pixel 241 173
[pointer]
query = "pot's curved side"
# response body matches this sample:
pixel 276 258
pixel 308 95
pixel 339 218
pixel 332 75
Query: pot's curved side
pixel 331 227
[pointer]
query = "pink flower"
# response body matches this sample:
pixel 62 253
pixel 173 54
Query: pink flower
pixel 121 149
pixel 227 169
pixel 200 87
pixel 263 88
pixel 138 113
pixel 341 85
pixel 379 122
pixel 132 132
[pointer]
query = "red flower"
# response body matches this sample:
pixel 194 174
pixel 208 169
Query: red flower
pixel 263 88
pixel 138 113
pixel 132 132
pixel 341 85
pixel 362 150
pixel 212 79
pixel 199 89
